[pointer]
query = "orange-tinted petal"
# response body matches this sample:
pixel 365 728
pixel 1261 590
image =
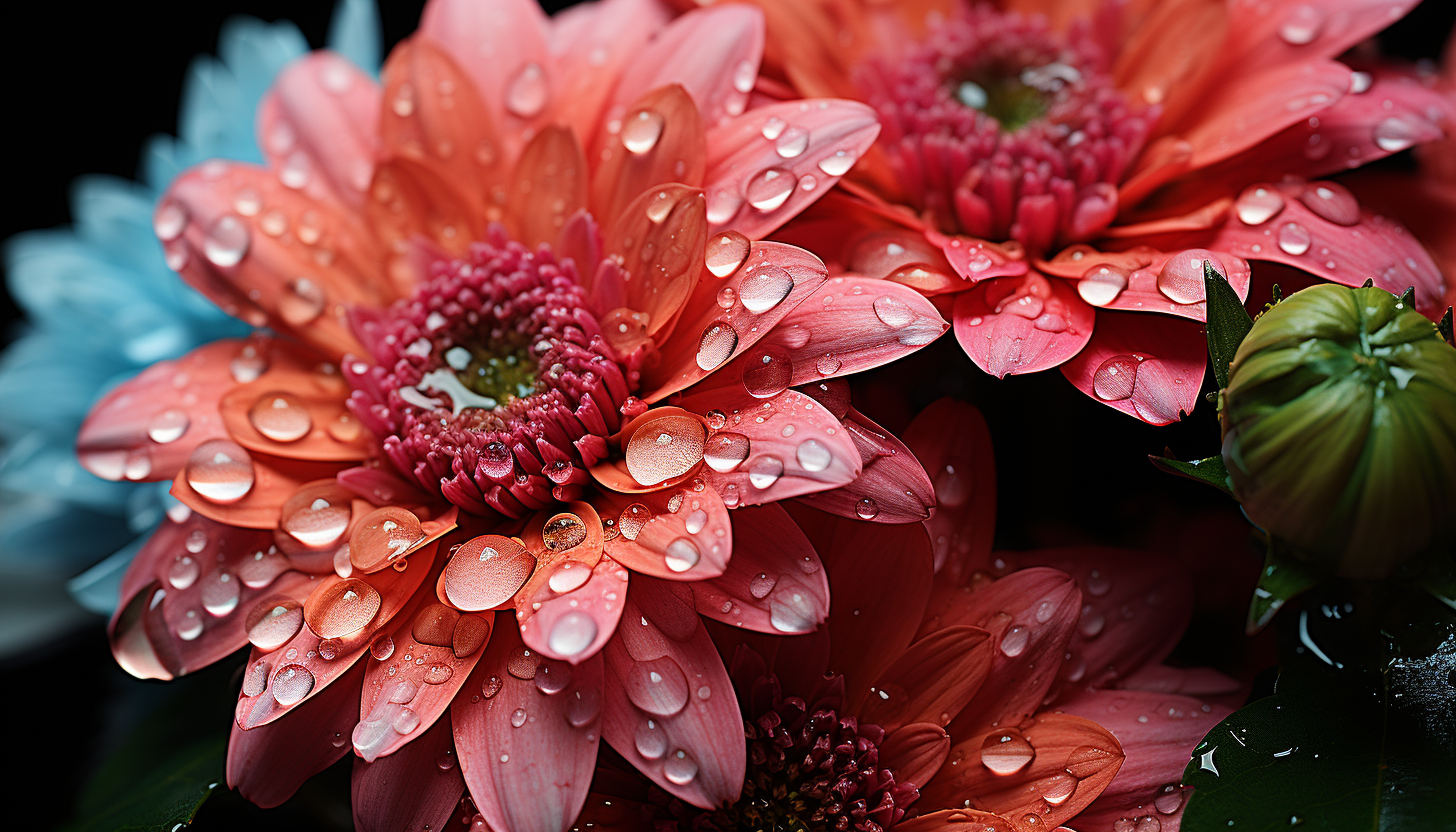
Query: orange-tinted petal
pixel 660 140
pixel 712 53
pixel 1147 280
pixel 931 681
pixel 592 43
pixel 659 240
pixel 218 470
pixel 955 820
pixel 549 185
pixel 678 533
pixel 295 409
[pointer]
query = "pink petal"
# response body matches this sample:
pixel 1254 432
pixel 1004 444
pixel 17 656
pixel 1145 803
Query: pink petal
pixel 678 533
pixel 318 127
pixel 951 440
pixel 1025 324
pixel 772 448
pixel 915 752
pixel 977 260
pixel 662 142
pixel 774 278
pixel 416 789
pixel 172 401
pixel 1158 732
pixel 1170 282
pixel 774 582
pixel 502 47
pixel 268 764
pixel 316 394
pixel 527 731
pixel 434 650
pixel 658 240
pixel 753 187
pixel 592 43
pixel 670 708
pixel 275 479
pixel 1031 615
pixel 932 680
pixel 713 53
pixel 892 486
pixel 571 620
pixel 955 820
pixel 1289 32
pixel 1148 366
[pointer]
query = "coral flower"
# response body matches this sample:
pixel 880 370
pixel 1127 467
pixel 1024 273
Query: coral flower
pixel 524 352
pixel 1015 691
pixel 1059 170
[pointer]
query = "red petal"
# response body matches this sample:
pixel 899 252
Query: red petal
pixel 774 583
pixel 660 141
pixel 527 732
pixel 318 127
pixel 658 240
pixel 755 184
pixel 573 624
pixel 915 752
pixel 678 533
pixel 772 448
pixel 1072 762
pixel 977 260
pixel 1142 273
pixel 268 764
pixel 955 820
pixel 670 708
pixel 776 278
pixel 932 680
pixel 310 422
pixel 401 691
pixel 951 440
pixel 713 53
pixel 416 789
pixel 892 486
pixel 1289 32
pixel 1166 357
pixel 1025 324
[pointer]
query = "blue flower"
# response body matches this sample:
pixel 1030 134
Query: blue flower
pixel 103 305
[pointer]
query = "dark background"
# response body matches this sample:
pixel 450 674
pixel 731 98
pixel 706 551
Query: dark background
pixel 88 86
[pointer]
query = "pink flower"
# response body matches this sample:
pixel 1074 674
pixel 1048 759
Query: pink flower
pixel 525 351
pixel 1057 170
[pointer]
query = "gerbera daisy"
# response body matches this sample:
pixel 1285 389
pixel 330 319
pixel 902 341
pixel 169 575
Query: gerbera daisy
pixel 1058 170
pixel 523 341
pixel 1006 691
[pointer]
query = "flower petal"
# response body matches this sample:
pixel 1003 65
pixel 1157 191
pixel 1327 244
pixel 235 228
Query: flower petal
pixel 416 789
pixel 977 260
pixel 295 409
pixel 1148 366
pixel 658 240
pixel 592 43
pixel 774 583
pixel 267 764
pixel 571 621
pixel 756 184
pixel 1013 325
pixel 951 440
pixel 318 128
pixel 1144 279
pixel 713 53
pixel 661 140
pixel 1286 32
pixel 892 486
pixel 549 185
pixel 670 708
pixel 528 734
pixel 677 533
pixel 274 480
pixel 932 680
pixel 915 752
pixel 955 820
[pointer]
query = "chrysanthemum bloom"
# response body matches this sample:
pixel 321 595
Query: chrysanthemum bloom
pixel 101 305
pixel 485 281
pixel 1062 168
pixel 956 699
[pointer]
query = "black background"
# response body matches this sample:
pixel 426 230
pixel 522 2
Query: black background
pixel 85 88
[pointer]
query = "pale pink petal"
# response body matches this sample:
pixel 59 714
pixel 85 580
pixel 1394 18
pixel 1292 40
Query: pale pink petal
pixel 915 752
pixel 267 764
pixel 570 617
pixel 318 127
pixel 977 260
pixel 1144 279
pixel 527 730
pixel 1013 325
pixel 1158 732
pixel 768 449
pixel 892 486
pixel 592 43
pixel 670 708
pixel 406 691
pixel 502 46
pixel 713 53
pixel 679 533
pixel 951 440
pixel 774 583
pixel 416 789
pixel 932 680
pixel 755 184
pixel 742 292
pixel 1148 366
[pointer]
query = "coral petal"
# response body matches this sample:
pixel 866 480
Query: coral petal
pixel 311 422
pixel 955 820
pixel 932 680
pixel 677 533
pixel 661 141
pixel 1166 357
pixel 712 53
pixel 774 582
pixel 592 43
pixel 891 479
pixel 318 127
pixel 416 789
pixel 1281 33
pixel 549 186
pixel 659 238
pixel 1013 325
pixel 275 479
pixel 977 260
pixel 951 440
pixel 527 754
pixel 1140 272
pixel 915 752
pixel 410 202
pixel 573 624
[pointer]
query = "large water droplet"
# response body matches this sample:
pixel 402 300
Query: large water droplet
pixel 291 684
pixel 183 572
pixel 770 188
pixel 1181 278
pixel 316 515
pixel 526 92
pixel 726 253
pixel 681 555
pixel 765 471
pixel 680 768
pixel 837 163
pixel 486 572
pixel 1006 752
pixel 867 508
pixel 764 287
pixel 168 426
pixel 568 577
pixel 562 532
pixel 274 622
pixel 281 417
pixel 633 519
pixel 641 130
pixel 1115 378
pixel 572 634
pixel 1014 641
pixel 382 537
pixel 220 592
pixel 725 451
pixel 220 471
pixel 893 312
pixel 1293 239
pixel 658 686
pixel 1302 24
pixel 1395 134
pixel 341 608
pixel 813 456
pixel 767 372
pixel 791 609
pixel 664 448
pixel 582 706
pixel 522 664
pixel 792 142
pixel 716 345
pixel 303 302
pixel 651 740
pixel 226 242
pixel 1258 204
pixel 1331 202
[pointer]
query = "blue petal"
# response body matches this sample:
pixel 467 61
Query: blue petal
pixel 215 120
pixel 254 53
pixel 46 466
pixel 114 214
pixel 97 588
pixel 354 33
pixel 43 386
pixel 56 536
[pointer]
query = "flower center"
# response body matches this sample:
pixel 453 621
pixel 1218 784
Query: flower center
pixel 811 768
pixel 1000 128
pixel 494 384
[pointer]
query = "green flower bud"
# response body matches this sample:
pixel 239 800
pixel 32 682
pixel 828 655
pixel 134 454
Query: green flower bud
pixel 1339 429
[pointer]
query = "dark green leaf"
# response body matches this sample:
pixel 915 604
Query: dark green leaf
pixel 1210 471
pixel 1283 578
pixel 1408 297
pixel 1445 327
pixel 1228 321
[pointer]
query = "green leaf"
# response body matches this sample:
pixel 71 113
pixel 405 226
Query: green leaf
pixel 1283 578
pixel 1408 297
pixel 1210 471
pixel 1228 321
pixel 1445 328
pixel 1360 734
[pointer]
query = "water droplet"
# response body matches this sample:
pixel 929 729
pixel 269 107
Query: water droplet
pixel 1331 202
pixel 1258 204
pixel 828 364
pixel 382 648
pixel 272 623
pixel 486 572
pixel 744 76
pixel 583 706
pixel 837 163
pixel 226 242
pixel 651 740
pixel 764 287
pixel 183 572
pixel 680 768
pixel 792 143
pixel 518 717
pixel 169 221
pixel 768 372
pixel 341 608
pixel 892 312
pixel 406 721
pixel 813 456
pixel 291 684
pixel 659 207
pixel 681 555
pixel 572 634
pixel 316 515
pixel 664 448
pixel 641 130
pixel 281 417
pixel 791 609
pixel 761 585
pixel 248 365
pixel 220 471
pixel 633 519
pixel 1294 239
pixel 765 471
pixel 1013 643
pixel 526 92
pixel 716 345
pixel 726 253
pixel 1057 788
pixel 774 127
pixel 1301 25
pixel 725 451
pixel 552 677
pixel 1169 799
pixel 1098 583
pixel 1006 752
pixel 168 426
pixel 769 188
pixel 562 532
pixel 658 686
pixel 491 686
pixel 522 663
pixel 303 302
pixel 1395 134
pixel 1181 278
pixel 1115 378
pixel 867 508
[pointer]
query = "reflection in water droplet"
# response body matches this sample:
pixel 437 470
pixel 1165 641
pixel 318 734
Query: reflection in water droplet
pixel 272 623
pixel 641 130
pixel 726 253
pixel 1294 239
pixel 765 471
pixel 768 371
pixel 1331 202
pixel 837 163
pixel 867 508
pixel 220 471
pixel 168 426
pixel 725 451
pixel 764 287
pixel 813 456
pixel 226 242
pixel 291 684
pixel 281 417
pixel 651 740
pixel 1181 278
pixel 1395 134
pixel 1302 24
pixel 1006 752
pixel 1115 379
pixel 792 142
pixel 1014 641
pixel 572 634
pixel 562 532
pixel 770 188
pixel 716 345
pixel 526 93
pixel 681 555
pixel 486 572
pixel 680 768
pixel 1258 204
